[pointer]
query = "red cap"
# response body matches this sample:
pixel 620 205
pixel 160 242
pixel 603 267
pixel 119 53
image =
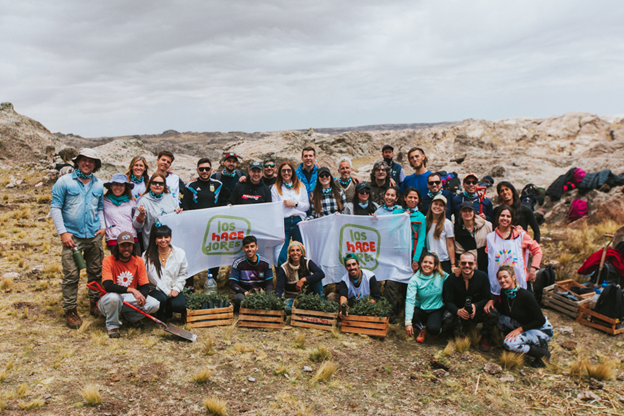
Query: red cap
pixel 230 154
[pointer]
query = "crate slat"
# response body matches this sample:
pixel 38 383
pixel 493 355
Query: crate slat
pixel 562 304
pixel 607 324
pixel 202 318
pixel 205 324
pixel 367 325
pixel 313 319
pixel 255 318
pixel 260 312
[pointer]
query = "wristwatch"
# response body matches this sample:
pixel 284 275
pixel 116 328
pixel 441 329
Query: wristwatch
pixel 296 204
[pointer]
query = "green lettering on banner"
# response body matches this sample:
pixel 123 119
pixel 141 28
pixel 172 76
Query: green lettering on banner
pixel 224 235
pixel 362 241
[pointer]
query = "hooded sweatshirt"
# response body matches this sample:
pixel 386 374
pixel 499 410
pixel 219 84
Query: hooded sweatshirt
pixel 424 292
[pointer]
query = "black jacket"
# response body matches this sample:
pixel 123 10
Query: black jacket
pixel 455 292
pixel 205 194
pixel 248 193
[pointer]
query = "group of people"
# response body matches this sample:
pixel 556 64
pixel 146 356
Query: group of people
pixel 462 248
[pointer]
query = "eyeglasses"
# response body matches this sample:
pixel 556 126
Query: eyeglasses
pixel 473 182
pixel 380 170
pixel 204 169
pixel 466 263
pixel 269 165
pixel 434 182
pixel 364 192
pixel 324 176
pixel 158 183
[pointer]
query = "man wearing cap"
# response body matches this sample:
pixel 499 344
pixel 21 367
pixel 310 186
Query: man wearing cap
pixel 484 208
pixel 253 191
pixel 380 181
pixel 125 280
pixel 356 284
pixel 174 183
pixel 307 170
pixel 77 212
pixel 418 161
pixel 268 172
pixel 434 183
pixel 229 176
pixel 397 174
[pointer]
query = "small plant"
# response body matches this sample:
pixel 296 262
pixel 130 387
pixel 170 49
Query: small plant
pixel 209 346
pixel 319 354
pixel 300 340
pixel 578 367
pixel 314 302
pixel 213 300
pixel 449 349
pixel 6 283
pixel 511 360
pixel 280 370
pixel 202 376
pixel 32 405
pixel 606 370
pixel 2 405
pixel 324 372
pixel 364 307
pixel 462 344
pixel 2 376
pixel 475 337
pixel 42 286
pixel 91 394
pixel 44 199
pixel 215 406
pixel 22 390
pixel 261 300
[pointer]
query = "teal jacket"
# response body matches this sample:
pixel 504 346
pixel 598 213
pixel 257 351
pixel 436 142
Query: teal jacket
pixel 424 292
pixel 419 232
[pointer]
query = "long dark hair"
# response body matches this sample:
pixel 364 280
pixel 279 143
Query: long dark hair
pixel 516 198
pixel 407 192
pixel 115 251
pixel 499 211
pixel 317 195
pixel 151 254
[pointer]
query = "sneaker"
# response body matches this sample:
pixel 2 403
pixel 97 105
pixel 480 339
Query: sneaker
pixel 485 344
pixel 114 333
pixel 73 320
pixel 93 309
pixel 421 336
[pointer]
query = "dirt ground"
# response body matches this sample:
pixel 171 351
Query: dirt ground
pixel 44 365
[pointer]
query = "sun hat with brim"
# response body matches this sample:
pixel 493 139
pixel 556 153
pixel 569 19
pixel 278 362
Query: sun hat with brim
pixel 119 178
pixel 466 205
pixel 439 198
pixel 91 154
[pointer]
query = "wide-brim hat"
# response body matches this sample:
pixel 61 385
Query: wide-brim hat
pixel 91 154
pixel 119 178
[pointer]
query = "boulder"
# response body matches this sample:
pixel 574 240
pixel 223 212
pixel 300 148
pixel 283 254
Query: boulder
pixel 492 368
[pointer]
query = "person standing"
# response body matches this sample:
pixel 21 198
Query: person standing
pixel 440 234
pixel 268 172
pixel 345 181
pixel 524 216
pixel 483 208
pixel 434 183
pixel 119 208
pixel 390 199
pixel 290 191
pixel 253 191
pixel 229 175
pixel 327 197
pixel 361 203
pixel 418 161
pixel 471 233
pixel 138 174
pixel 174 184
pixel 307 170
pixel 379 182
pixel 78 213
pixel 397 174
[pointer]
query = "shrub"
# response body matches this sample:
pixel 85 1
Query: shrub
pixel 215 406
pixel 364 307
pixel 261 300
pixel 314 302
pixel 91 394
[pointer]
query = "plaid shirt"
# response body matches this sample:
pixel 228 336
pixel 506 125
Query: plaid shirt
pixel 329 205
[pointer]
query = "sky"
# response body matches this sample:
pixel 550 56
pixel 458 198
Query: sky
pixel 112 68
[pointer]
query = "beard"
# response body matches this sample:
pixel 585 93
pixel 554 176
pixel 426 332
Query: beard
pixel 388 161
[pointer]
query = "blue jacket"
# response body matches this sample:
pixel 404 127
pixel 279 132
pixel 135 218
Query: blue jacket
pixel 309 185
pixel 79 204
pixel 488 209
pixel 418 224
pixel 426 202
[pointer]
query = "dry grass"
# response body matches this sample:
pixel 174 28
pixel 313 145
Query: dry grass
pixel 449 349
pixel 202 376
pixel 300 340
pixel 32 405
pixel 510 360
pixel 231 329
pixel 475 337
pixel 22 390
pixel 209 346
pixel 215 406
pixel 578 367
pixel 10 365
pixel 242 348
pixel 2 405
pixel 44 199
pixel 6 283
pixel 606 370
pixel 324 372
pixel 319 354
pixel 280 370
pixel 335 332
pixel 462 344
pixel 2 376
pixel 91 394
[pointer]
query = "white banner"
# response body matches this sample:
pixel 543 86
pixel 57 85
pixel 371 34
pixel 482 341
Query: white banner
pixel 383 245
pixel 213 237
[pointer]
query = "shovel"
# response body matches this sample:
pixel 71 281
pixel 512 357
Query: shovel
pixel 172 329
pixel 604 256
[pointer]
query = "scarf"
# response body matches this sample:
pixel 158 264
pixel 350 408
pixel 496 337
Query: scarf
pixel 135 179
pixel 432 195
pixel 412 210
pixel 387 208
pixel 82 175
pixel 327 190
pixel 357 282
pixel 511 293
pixel 470 196
pixel 229 175
pixel 343 183
pixel 363 206
pixel 288 185
pixel 118 200
pixel 156 196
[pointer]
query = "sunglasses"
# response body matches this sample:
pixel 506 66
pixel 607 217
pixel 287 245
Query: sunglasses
pixel 324 176
pixel 434 182
pixel 204 169
pixel 473 182
pixel 364 192
pixel 158 183
pixel 466 263
pixel 269 165
pixel 286 170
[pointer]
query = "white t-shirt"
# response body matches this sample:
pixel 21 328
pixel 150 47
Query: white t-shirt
pixel 439 246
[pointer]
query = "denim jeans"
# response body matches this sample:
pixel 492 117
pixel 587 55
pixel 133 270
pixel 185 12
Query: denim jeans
pixel 291 229
pixel 111 305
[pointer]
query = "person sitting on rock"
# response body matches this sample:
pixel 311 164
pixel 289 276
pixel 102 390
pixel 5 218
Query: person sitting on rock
pixel 483 208
pixel 355 284
pixel 361 203
pixel 250 273
pixel 520 318
pixel 390 200
pixel 125 280
pixel 434 183
pixel 465 297
pixel 379 182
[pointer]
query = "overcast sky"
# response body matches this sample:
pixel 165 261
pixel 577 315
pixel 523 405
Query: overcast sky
pixel 109 68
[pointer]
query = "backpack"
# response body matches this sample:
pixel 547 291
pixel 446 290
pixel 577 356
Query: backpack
pixel 545 277
pixel 611 302
pixel 578 210
pixel 453 184
pixel 579 174
pixel 531 196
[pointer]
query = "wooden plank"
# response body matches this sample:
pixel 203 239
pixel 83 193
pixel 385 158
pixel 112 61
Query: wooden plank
pixel 369 325
pixel 563 311
pixel 314 313
pixel 195 318
pixel 250 324
pixel 599 316
pixel 366 318
pixel 260 312
pixel 313 326
pixel 192 312
pixel 313 320
pixel 257 318
pixel 563 305
pixel 372 332
pixel 204 324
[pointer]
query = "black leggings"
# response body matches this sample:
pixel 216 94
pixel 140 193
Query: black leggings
pixel 168 305
pixel 431 319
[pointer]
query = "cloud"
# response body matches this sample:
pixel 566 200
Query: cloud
pixel 118 67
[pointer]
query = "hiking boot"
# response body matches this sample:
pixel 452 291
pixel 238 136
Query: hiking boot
pixel 421 336
pixel 114 333
pixel 485 344
pixel 73 320
pixel 93 309
pixel 540 355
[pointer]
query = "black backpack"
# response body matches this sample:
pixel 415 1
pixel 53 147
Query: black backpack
pixel 544 278
pixel 611 303
pixel 453 183
pixel 530 196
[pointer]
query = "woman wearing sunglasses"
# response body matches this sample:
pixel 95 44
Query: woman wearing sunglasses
pixel 327 198
pixel 361 204
pixel 152 205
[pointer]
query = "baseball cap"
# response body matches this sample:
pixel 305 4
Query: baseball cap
pixel 360 187
pixel 467 204
pixel 125 237
pixel 470 175
pixel 255 165
pixel 229 155
pixel 387 147
pixel 439 198
pixel 324 169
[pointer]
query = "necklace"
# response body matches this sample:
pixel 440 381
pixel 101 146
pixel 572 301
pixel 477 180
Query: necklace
pixel 164 256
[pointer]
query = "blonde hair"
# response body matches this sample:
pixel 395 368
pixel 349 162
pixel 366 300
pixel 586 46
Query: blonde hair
pixel 133 162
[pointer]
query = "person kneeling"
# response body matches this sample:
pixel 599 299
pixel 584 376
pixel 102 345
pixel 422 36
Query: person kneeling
pixel 167 270
pixel 125 280
pixel 297 274
pixel 356 284
pixel 250 273
pixel 466 296
pixel 424 298
pixel 521 319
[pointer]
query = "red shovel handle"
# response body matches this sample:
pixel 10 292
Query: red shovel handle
pixel 481 190
pixel 96 286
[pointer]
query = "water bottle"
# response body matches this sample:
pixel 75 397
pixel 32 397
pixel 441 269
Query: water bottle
pixel 80 262
pixel 211 285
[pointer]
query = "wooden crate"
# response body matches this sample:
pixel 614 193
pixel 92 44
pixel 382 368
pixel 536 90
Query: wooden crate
pixel 368 325
pixel 562 304
pixel 257 318
pixel 313 319
pixel 565 285
pixel 201 318
pixel 586 316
